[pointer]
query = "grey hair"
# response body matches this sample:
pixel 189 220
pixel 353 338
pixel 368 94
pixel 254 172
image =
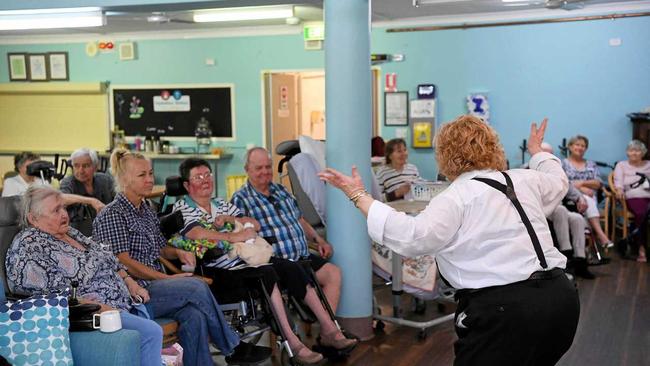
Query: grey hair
pixel 33 201
pixel 84 151
pixel 250 151
pixel 575 139
pixel 637 145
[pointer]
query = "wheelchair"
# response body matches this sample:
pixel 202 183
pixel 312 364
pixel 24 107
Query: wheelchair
pixel 249 309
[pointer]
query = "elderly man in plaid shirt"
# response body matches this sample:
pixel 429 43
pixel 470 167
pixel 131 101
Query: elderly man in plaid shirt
pixel 282 224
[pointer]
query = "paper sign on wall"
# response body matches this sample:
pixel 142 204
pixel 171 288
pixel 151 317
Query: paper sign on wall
pixel 423 108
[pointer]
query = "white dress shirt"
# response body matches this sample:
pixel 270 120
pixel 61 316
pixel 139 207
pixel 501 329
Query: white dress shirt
pixel 474 231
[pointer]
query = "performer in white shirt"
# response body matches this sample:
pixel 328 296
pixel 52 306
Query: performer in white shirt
pixel 489 234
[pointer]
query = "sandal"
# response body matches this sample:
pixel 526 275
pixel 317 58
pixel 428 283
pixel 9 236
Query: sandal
pixel 310 358
pixel 340 343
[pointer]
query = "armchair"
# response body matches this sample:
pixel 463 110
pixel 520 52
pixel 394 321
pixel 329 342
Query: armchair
pixel 88 348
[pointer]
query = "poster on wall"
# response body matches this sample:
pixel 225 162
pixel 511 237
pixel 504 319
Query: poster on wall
pixel 396 108
pixel 423 135
pixel 423 108
pixel 17 66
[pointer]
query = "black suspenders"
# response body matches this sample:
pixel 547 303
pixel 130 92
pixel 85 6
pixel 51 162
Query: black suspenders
pixel 509 191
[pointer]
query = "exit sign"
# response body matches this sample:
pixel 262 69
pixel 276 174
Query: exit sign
pixel 314 31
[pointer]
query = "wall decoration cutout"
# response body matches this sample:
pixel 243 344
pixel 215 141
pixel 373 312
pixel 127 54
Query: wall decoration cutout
pixel 478 106
pixel 91 49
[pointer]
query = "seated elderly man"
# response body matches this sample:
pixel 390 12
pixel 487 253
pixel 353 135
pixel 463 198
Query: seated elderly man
pixel 282 224
pixel 569 228
pixel 87 182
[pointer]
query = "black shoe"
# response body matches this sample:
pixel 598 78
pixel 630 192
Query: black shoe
pixel 581 270
pixel 248 354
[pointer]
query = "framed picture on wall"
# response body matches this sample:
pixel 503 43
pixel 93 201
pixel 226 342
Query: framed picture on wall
pixel 38 67
pixel 18 70
pixel 58 65
pixel 396 108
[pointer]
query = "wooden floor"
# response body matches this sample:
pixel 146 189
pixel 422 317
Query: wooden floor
pixel 614 327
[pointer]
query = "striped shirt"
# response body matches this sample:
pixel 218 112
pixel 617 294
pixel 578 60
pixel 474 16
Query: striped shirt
pixel 193 214
pixel 278 215
pixel 390 179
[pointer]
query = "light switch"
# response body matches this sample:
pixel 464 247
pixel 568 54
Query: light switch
pixel 400 133
pixel 209 62
pixel 614 42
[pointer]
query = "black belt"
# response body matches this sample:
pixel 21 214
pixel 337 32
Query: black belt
pixel 535 276
pixel 546 275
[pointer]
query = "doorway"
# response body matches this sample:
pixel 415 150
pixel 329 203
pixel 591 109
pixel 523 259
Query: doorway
pixel 294 105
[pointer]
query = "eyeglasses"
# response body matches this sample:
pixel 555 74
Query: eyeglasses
pixel 200 177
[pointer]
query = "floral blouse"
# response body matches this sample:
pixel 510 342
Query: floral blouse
pixel 38 263
pixel 589 172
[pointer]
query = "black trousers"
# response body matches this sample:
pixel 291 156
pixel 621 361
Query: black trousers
pixel 532 322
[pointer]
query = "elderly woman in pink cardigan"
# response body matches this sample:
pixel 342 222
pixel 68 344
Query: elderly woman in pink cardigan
pixel 637 196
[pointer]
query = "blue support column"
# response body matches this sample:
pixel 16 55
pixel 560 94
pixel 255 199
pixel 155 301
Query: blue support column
pixel 348 111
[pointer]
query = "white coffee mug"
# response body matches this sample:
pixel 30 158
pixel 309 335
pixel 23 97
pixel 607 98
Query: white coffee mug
pixel 109 321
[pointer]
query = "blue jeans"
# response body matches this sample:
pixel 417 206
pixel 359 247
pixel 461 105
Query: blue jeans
pixel 150 337
pixel 190 302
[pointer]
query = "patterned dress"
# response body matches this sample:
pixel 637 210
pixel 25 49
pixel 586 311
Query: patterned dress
pixel 39 263
pixel 589 172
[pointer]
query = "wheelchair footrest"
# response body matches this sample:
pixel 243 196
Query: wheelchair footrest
pixel 331 353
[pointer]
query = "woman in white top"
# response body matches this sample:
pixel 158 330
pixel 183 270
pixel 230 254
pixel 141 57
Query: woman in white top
pixel 18 184
pixel 489 234
pixel 628 186
pixel 396 176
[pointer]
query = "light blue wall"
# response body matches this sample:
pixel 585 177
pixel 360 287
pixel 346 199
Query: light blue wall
pixel 566 71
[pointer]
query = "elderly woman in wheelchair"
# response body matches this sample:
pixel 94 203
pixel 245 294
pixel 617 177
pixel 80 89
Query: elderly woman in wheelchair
pixel 203 215
pixel 47 255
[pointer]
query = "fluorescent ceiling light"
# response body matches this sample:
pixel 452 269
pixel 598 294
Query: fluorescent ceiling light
pixel 248 13
pixel 51 18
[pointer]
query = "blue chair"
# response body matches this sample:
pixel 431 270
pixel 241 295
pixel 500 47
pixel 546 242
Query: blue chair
pixel 121 348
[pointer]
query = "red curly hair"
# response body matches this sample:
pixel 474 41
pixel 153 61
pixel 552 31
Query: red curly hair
pixel 467 144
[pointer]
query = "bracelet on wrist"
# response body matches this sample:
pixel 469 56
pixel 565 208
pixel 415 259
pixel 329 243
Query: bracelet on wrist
pixel 356 194
pixel 358 198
